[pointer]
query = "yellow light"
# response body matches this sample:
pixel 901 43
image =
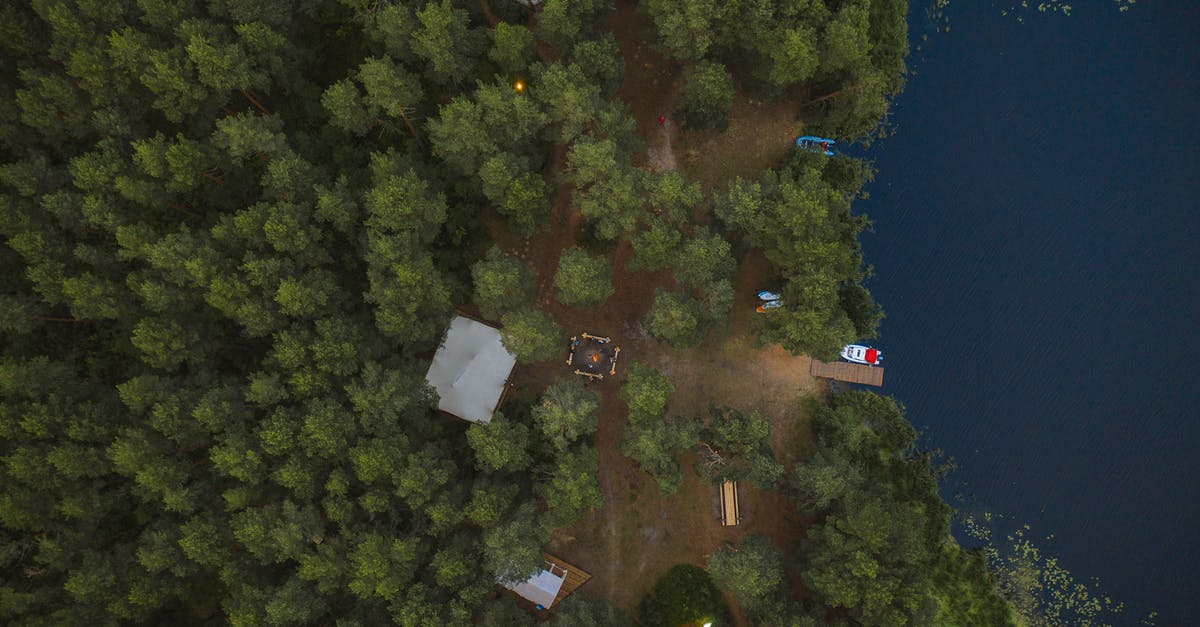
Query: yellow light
pixel 519 86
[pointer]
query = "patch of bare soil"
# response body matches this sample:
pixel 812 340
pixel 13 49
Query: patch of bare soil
pixel 638 534
pixel 650 88
pixel 660 155
pixel 758 136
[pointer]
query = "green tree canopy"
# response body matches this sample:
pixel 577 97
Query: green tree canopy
pixel 601 61
pixel 582 279
pixel 752 572
pixel 811 196
pixel 512 47
pixel 739 449
pixel 650 438
pixel 882 551
pixel 235 231
pixel 705 96
pixel 521 196
pixel 512 551
pixel 500 445
pixel 645 391
pixel 572 490
pixel 564 22
pixel 684 595
pixel 566 413
pixel 852 52
pixel 675 318
pixel 445 39
pixel 532 335
pixel 502 284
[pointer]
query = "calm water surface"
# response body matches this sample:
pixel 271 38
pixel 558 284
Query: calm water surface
pixel 1036 251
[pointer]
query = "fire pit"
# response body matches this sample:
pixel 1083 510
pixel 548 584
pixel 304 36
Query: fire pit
pixel 592 356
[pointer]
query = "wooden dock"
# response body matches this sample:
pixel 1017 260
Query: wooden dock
pixel 847 372
pixel 573 576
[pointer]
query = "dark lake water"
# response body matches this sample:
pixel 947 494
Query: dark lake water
pixel 1037 222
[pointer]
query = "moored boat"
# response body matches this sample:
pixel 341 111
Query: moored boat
pixel 858 354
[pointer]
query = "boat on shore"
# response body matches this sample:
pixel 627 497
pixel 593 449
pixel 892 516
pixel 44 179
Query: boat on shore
pixel 813 143
pixel 771 304
pixel 857 354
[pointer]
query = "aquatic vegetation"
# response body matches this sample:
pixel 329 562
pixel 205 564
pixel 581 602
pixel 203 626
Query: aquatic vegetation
pixel 935 12
pixel 1020 9
pixel 1040 588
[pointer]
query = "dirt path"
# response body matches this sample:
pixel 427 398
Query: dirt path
pixel 650 88
pixel 758 136
pixel 638 534
pixel 660 155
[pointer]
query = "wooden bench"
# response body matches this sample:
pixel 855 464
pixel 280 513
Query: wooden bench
pixel 731 514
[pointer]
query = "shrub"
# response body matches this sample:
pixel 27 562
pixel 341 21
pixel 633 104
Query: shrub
pixel 582 279
pixel 502 284
pixel 531 335
pixel 706 96
pixel 675 318
pixel 685 595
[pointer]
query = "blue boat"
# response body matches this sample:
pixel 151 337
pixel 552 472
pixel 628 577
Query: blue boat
pixel 813 143
pixel 768 295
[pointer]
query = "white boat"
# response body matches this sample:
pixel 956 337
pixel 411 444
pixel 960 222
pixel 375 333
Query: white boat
pixel 771 304
pixel 855 353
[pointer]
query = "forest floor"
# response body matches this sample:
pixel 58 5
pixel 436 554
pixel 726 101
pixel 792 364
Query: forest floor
pixel 638 534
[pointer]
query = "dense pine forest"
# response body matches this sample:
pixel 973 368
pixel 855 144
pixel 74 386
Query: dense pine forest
pixel 236 231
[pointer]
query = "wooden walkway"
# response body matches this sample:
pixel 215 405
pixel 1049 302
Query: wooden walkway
pixel 573 578
pixel 848 372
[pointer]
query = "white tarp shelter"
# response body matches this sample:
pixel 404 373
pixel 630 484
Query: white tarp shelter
pixel 470 370
pixel 542 588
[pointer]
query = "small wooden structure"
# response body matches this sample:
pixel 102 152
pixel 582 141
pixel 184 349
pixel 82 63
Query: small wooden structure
pixel 573 576
pixel 593 377
pixel 847 372
pixel 553 582
pixel 731 513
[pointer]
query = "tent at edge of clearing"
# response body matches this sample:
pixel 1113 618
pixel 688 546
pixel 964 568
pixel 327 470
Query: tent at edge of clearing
pixel 470 369
pixel 553 582
pixel 541 588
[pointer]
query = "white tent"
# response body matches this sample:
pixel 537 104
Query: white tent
pixel 470 370
pixel 542 588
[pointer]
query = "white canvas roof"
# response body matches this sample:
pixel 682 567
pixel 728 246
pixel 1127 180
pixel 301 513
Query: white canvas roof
pixel 470 369
pixel 542 588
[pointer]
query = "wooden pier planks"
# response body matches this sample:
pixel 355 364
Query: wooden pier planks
pixel 731 514
pixel 847 372
pixel 574 577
